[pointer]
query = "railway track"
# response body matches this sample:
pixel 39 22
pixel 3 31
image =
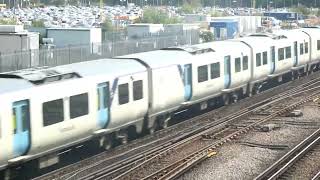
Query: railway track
pixel 119 169
pixel 284 164
pixel 214 130
pixel 316 177
pixel 173 169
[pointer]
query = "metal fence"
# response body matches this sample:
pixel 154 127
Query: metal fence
pixel 73 54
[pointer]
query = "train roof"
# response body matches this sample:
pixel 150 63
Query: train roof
pixel 312 31
pixel 294 34
pixel 161 58
pixel 226 46
pixel 255 41
pixel 23 79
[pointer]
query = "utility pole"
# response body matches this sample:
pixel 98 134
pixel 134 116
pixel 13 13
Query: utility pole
pixel 253 3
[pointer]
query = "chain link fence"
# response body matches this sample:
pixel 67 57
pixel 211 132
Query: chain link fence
pixel 73 54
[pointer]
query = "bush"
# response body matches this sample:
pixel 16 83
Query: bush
pixel 37 23
pixel 302 10
pixel 155 16
pixel 206 36
pixel 107 25
pixel 8 21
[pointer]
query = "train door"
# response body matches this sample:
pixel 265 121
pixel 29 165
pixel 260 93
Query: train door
pixel 273 60
pixel 21 127
pixel 103 94
pixel 295 53
pixel 187 77
pixel 227 71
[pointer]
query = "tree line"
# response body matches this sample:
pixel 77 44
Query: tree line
pixel 220 3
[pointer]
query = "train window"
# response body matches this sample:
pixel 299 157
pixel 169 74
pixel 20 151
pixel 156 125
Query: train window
pixel 281 54
pixel 306 50
pixel 52 112
pixel 215 70
pixel 14 123
pixel 237 64
pixel 25 115
pixel 265 57
pixel 79 105
pixel 123 93
pixel 301 48
pixel 202 73
pixel 137 90
pixel 245 62
pixel 288 52
pixel 258 59
pixel 318 44
pixel 105 93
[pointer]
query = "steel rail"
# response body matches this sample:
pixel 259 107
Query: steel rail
pixel 179 167
pixel 289 159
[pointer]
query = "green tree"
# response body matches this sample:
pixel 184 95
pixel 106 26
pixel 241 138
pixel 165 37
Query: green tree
pixel 155 16
pixel 187 9
pixel 318 13
pixel 107 25
pixel 206 36
pixel 8 21
pixel 217 14
pixel 37 23
pixel 303 10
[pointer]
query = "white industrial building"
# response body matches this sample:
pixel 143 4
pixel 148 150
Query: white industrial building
pixel 14 38
pixel 196 18
pixel 25 45
pixel 246 24
pixel 181 27
pixel 143 30
pixel 64 37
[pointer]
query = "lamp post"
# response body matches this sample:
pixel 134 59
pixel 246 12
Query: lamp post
pixel 234 3
pixel 270 4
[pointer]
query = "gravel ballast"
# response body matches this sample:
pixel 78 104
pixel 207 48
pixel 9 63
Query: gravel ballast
pixel 238 161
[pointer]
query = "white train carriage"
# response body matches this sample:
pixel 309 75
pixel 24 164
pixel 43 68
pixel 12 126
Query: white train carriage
pixel 169 74
pixel 121 93
pixel 50 112
pixel 313 46
pixel 300 45
pixel 207 77
pixel 282 51
pixel 14 120
pixel 234 58
pixel 261 57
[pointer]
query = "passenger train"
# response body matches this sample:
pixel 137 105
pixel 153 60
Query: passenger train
pixel 44 111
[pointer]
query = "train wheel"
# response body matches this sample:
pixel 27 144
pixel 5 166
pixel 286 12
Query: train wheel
pixel 124 138
pixel 108 145
pixel 106 142
pixel 155 127
pixel 152 130
pixel 165 124
pixel 226 99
